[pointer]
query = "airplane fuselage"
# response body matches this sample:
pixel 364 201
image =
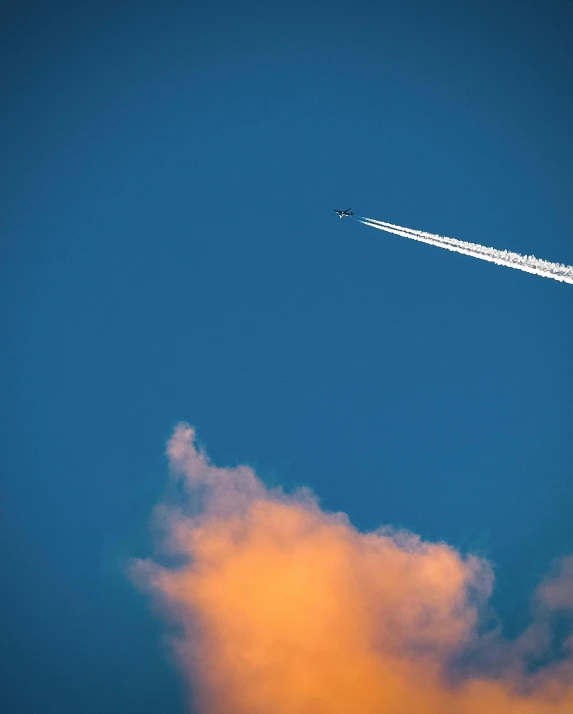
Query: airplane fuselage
pixel 344 214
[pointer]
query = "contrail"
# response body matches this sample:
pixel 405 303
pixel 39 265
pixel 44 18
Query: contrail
pixel 527 263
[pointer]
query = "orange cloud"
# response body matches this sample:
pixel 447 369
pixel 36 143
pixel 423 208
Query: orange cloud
pixel 286 609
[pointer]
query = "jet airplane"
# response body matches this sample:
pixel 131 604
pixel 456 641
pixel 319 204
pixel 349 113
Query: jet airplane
pixel 344 214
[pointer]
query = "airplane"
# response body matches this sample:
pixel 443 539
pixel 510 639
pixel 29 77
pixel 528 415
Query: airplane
pixel 344 214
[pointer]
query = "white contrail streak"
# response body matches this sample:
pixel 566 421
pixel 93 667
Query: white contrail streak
pixel 528 263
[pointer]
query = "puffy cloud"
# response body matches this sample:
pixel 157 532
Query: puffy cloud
pixel 557 592
pixel 284 608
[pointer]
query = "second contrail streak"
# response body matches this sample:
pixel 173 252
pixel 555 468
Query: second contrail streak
pixel 528 263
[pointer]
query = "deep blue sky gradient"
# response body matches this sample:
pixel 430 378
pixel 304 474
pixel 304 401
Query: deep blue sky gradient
pixel 169 252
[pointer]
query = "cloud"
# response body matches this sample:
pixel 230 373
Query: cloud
pixel 557 592
pixel 282 608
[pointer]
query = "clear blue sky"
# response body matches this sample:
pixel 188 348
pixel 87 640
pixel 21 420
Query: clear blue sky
pixel 169 252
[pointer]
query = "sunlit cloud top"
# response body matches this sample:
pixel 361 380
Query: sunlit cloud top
pixel 282 607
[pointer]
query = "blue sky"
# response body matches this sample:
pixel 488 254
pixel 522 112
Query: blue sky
pixel 170 252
